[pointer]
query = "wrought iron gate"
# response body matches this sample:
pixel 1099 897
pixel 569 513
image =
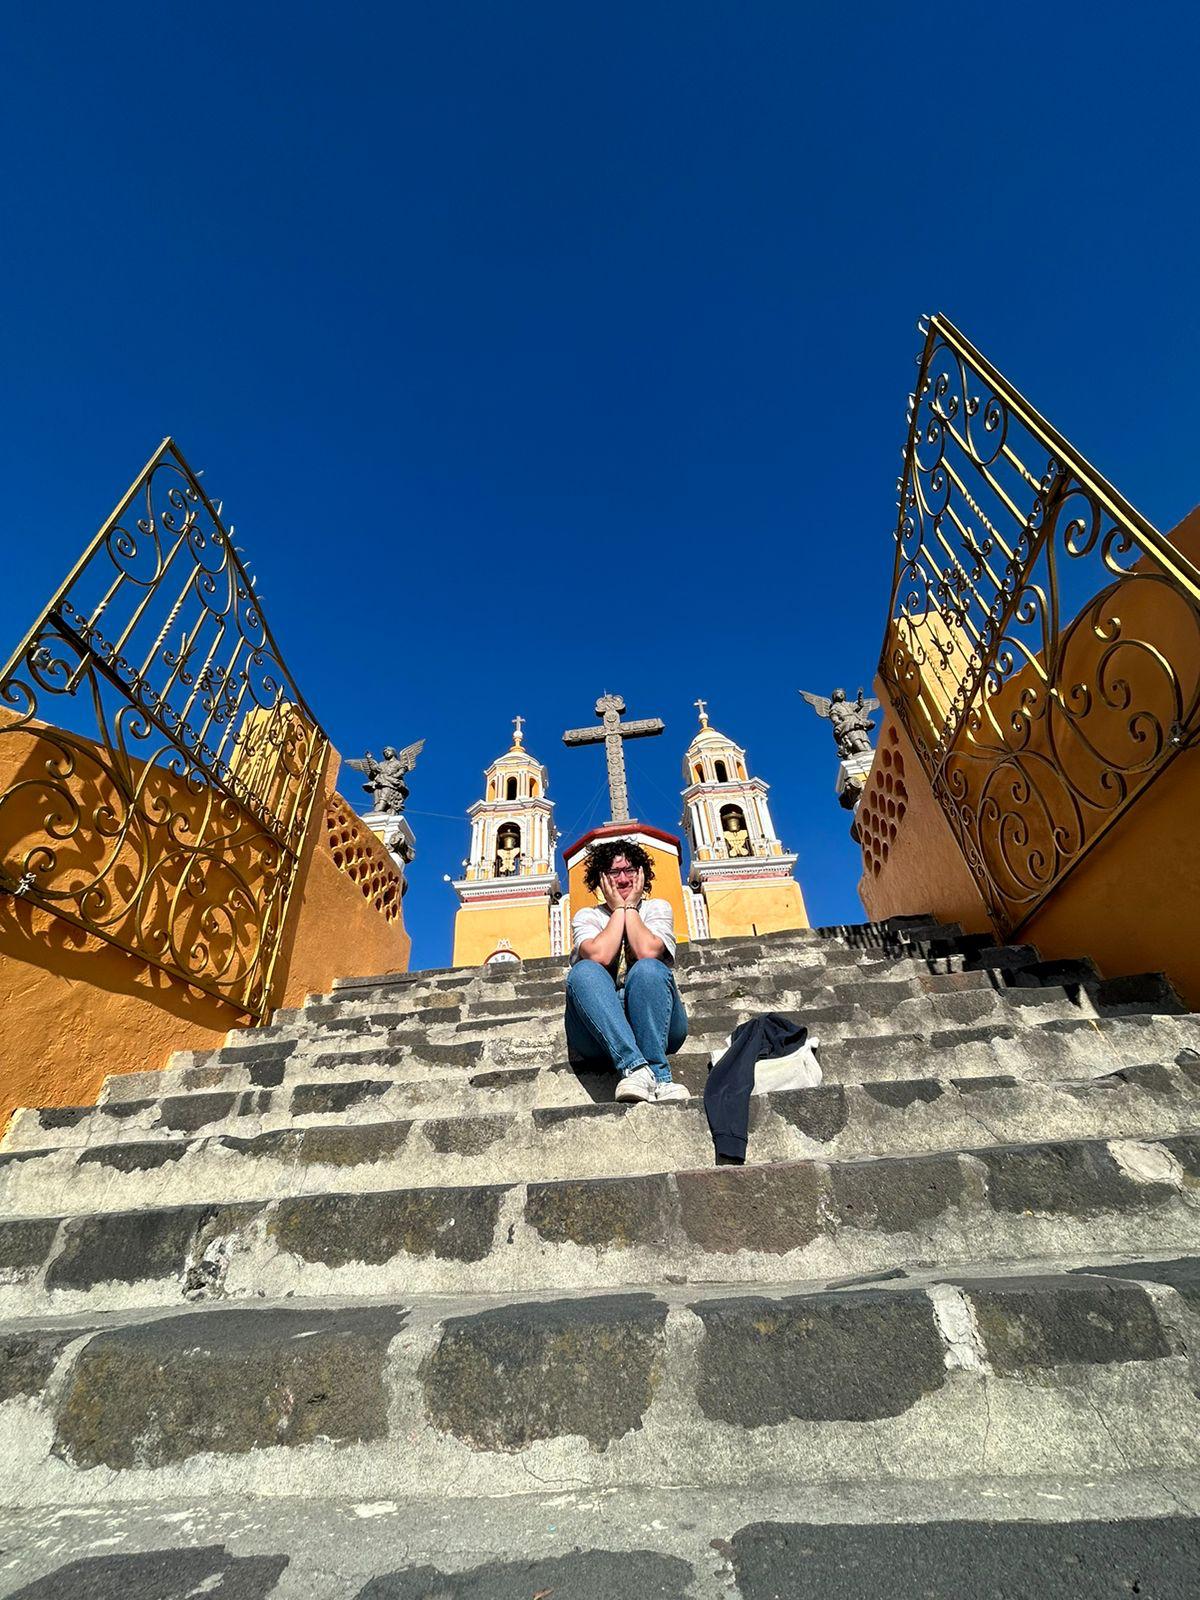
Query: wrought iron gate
pixel 158 766
pixel 1043 650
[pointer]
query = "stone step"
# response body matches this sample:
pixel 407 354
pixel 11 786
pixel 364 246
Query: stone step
pixel 970 1537
pixel 449 1079
pixel 805 1219
pixel 1076 1373
pixel 478 1135
pixel 782 971
pixel 833 1015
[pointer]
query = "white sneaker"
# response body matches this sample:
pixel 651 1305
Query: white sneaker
pixel 637 1085
pixel 672 1091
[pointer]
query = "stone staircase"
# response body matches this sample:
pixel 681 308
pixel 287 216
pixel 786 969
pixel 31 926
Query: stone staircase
pixel 394 1251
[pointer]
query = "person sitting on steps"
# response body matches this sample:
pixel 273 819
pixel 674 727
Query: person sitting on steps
pixel 623 1005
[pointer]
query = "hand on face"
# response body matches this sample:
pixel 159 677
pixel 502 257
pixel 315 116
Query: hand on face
pixel 623 890
pixel 613 897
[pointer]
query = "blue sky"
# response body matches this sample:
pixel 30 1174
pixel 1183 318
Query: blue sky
pixel 542 349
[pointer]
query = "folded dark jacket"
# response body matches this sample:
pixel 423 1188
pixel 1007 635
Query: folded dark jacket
pixel 731 1081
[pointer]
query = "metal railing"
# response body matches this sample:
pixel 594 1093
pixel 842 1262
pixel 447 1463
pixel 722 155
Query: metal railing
pixel 1043 648
pixel 158 766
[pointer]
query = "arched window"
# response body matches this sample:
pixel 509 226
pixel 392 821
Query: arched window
pixel 510 789
pixel 491 789
pixel 508 849
pixel 734 832
pixel 533 787
pixel 722 771
pixel 698 773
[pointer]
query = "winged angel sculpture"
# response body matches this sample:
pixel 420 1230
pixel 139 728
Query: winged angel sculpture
pixel 385 779
pixel 850 720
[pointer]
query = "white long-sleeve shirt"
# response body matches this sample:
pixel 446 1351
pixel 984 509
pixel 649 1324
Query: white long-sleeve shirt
pixel 656 914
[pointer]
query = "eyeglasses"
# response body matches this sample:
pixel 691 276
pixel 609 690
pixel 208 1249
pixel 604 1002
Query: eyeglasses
pixel 622 872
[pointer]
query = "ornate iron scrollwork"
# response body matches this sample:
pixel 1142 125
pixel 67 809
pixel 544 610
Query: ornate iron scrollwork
pixel 1043 650
pixel 158 766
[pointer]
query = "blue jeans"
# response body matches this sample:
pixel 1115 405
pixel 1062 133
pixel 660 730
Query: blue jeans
pixel 639 1025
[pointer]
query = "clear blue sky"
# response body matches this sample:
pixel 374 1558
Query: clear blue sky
pixel 537 349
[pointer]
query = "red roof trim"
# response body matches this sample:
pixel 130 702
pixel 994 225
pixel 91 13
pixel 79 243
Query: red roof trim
pixel 617 830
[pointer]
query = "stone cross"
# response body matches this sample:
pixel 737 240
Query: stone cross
pixel 702 707
pixel 613 731
pixel 518 729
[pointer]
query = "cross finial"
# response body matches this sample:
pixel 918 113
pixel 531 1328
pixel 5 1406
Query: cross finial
pixel 613 731
pixel 518 724
pixel 702 707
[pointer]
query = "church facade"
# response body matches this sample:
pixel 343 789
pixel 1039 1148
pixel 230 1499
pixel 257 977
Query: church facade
pixel 738 880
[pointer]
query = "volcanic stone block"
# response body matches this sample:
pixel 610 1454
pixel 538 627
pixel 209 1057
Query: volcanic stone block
pixel 899 1096
pixel 185 1113
pixel 583 1575
pixel 1156 1557
pixel 897 1195
pixel 772 1208
pixel 1182 1273
pixel 1037 1322
pixel 1079 1178
pixel 449 1224
pixel 817 1358
pixel 160 1575
pixel 327 1099
pixel 25 1243
pixel 125 1108
pixel 503 1078
pixel 334 1146
pixel 143 1156
pixel 53 1117
pixel 226 1381
pixel 129 1246
pixel 501 1379
pixel 601 1212
pixel 820 1114
pixel 1185 1147
pixel 28 1359
pixel 465 1136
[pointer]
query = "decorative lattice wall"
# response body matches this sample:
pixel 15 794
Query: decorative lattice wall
pixel 883 805
pixel 358 853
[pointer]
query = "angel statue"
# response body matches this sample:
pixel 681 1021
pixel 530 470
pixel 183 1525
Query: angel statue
pixel 850 720
pixel 385 779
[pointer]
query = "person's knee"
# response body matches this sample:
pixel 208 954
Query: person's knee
pixel 586 975
pixel 649 970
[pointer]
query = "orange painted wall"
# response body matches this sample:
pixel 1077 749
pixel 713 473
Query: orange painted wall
pixel 917 868
pixel 74 1008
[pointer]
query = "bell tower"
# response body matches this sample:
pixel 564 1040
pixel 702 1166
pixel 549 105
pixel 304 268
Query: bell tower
pixel 740 870
pixel 510 899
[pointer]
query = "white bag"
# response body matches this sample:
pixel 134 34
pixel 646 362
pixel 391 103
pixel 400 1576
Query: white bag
pixel 799 1069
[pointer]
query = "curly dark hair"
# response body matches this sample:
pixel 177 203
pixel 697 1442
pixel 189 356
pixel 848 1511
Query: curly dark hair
pixel 600 858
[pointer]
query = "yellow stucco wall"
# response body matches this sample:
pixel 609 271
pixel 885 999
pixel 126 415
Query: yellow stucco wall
pixel 478 930
pixel 75 1008
pixel 755 908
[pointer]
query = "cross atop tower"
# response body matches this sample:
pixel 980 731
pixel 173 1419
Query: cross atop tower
pixel 518 725
pixel 702 707
pixel 609 708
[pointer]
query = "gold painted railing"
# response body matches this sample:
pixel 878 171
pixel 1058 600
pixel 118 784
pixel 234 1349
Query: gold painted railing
pixel 158 766
pixel 1043 649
